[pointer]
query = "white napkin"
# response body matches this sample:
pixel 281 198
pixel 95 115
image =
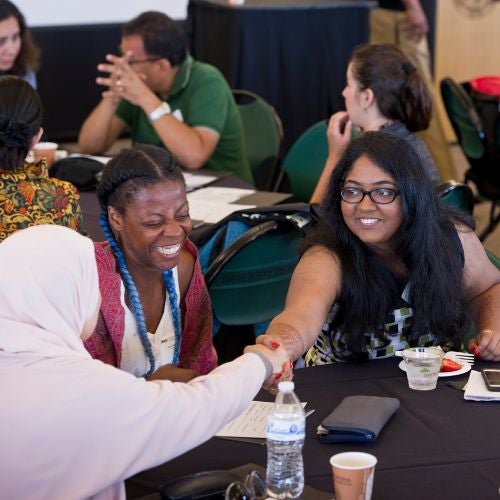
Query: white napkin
pixel 476 389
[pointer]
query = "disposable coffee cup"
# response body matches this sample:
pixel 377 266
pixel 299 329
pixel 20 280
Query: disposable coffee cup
pixel 45 150
pixel 353 473
pixel 422 367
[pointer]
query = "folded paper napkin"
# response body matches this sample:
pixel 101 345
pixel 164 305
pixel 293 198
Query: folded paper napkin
pixel 476 389
pixel 357 419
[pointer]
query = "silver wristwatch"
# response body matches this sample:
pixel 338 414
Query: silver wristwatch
pixel 162 110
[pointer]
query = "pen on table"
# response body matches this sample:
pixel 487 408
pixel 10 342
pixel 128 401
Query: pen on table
pixel 309 412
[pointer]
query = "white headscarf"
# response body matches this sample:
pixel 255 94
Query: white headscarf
pixel 48 290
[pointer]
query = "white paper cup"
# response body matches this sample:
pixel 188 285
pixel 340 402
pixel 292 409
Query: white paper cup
pixel 353 473
pixel 45 150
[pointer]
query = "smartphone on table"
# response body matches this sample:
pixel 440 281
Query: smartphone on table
pixel 492 378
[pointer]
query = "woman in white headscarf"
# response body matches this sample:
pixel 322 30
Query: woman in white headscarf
pixel 71 426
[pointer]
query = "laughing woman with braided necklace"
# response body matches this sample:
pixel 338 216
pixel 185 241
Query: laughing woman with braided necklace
pixel 155 318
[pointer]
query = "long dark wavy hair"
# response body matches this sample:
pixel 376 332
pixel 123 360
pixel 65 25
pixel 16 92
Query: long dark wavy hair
pixel 426 242
pixel 28 58
pixel 400 92
pixel 20 120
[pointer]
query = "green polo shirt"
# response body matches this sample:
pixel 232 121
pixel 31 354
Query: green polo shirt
pixel 200 97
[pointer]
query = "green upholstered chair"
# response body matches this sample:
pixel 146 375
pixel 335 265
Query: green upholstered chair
pixel 248 281
pixel 494 259
pixel 263 133
pixel 457 194
pixel 305 160
pixel 483 155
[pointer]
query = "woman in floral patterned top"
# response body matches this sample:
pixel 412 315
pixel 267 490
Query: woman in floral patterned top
pixel 28 196
pixel 387 266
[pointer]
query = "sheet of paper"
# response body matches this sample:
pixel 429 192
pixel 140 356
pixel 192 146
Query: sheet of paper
pixel 252 423
pixel 212 212
pixel 219 195
pixel 476 389
pixel 194 181
pixel 101 159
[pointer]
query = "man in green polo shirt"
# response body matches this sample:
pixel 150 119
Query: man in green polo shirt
pixel 166 98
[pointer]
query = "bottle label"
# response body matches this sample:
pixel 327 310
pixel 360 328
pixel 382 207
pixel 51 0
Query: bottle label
pixel 286 430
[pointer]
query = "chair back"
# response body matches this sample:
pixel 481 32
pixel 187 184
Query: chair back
pixel 248 281
pixel 456 194
pixel 482 153
pixel 305 161
pixel 263 134
pixel 463 118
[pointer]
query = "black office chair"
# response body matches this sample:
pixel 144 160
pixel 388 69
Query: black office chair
pixel 263 133
pixel 483 155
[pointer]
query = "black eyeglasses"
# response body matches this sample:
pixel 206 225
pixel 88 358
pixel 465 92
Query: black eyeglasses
pixel 381 196
pixel 140 61
pixel 254 488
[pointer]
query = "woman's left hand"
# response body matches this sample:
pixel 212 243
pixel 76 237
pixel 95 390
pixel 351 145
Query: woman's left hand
pixel 486 345
pixel 339 133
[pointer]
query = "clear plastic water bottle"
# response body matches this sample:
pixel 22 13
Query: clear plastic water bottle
pixel 285 439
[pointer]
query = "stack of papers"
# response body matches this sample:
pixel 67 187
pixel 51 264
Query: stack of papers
pixel 213 203
pixel 476 389
pixel 194 181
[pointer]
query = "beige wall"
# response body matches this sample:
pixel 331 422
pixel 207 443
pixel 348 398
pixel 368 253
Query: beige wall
pixel 55 12
pixel 466 47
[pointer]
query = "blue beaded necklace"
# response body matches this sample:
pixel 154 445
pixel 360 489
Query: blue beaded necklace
pixel 135 300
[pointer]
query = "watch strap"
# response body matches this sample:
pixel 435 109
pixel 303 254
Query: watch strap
pixel 162 110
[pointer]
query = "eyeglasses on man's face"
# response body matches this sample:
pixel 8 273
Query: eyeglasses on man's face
pixel 122 53
pixel 140 61
pixel 253 488
pixel 381 196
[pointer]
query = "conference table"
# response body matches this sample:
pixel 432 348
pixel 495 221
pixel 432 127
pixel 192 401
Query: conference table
pixel 436 446
pixel 293 53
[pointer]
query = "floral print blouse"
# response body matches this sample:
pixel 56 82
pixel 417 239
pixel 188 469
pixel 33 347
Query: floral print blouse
pixel 29 197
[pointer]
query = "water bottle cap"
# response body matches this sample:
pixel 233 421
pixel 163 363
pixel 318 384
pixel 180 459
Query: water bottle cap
pixel 286 386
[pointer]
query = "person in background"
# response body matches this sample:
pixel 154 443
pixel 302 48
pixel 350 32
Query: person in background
pixel 71 426
pixel 384 91
pixel 387 266
pixel 27 195
pixel 19 54
pixel 155 318
pixel 168 99
pixel 404 23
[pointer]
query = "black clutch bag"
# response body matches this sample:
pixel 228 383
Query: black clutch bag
pixel 357 419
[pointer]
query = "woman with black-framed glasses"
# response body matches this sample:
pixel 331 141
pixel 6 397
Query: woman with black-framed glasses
pixel 387 267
